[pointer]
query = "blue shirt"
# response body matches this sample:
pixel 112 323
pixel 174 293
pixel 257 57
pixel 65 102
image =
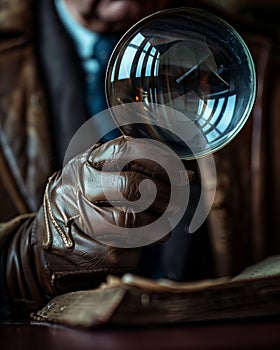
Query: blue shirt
pixel 83 38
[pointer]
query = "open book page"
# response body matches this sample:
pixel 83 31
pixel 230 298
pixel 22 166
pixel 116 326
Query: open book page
pixel 268 267
pixel 161 285
pixel 140 301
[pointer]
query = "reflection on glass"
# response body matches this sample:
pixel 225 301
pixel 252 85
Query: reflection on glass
pixel 188 60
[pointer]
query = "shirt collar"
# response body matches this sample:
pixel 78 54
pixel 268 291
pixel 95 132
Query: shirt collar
pixel 83 38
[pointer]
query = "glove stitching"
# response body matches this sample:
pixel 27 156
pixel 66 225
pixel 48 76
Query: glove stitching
pixel 71 219
pixel 59 275
pixel 73 272
pixel 48 243
pixel 66 238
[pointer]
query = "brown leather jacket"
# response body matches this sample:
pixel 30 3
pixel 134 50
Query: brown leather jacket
pixel 244 220
pixel 25 142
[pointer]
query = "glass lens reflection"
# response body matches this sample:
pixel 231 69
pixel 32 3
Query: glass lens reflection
pixel 188 60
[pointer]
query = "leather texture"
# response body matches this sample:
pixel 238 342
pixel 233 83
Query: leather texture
pixel 56 251
pixel 25 143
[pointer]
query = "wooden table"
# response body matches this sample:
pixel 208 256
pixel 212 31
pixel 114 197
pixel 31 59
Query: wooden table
pixel 256 334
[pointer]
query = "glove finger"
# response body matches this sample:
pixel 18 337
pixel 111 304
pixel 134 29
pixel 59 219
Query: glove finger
pixel 126 188
pixel 140 155
pixel 120 226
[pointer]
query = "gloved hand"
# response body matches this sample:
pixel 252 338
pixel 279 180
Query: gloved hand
pixel 72 242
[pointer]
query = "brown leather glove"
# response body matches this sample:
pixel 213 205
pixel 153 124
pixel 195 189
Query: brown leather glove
pixel 63 247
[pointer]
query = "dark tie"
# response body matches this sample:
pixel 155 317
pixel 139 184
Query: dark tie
pixel 95 81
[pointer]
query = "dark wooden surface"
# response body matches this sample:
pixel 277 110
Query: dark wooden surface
pixel 262 334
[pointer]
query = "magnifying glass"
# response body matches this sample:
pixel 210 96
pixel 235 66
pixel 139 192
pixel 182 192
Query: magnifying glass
pixel 187 61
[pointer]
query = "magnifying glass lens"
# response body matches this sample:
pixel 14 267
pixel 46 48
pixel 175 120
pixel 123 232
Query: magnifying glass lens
pixel 188 60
